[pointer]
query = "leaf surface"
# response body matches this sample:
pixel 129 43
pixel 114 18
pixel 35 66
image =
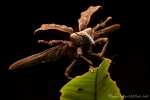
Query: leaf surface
pixel 96 85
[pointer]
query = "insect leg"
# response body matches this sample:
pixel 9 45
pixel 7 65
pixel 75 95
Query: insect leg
pixel 102 24
pixel 91 68
pixel 43 41
pixel 67 43
pixel 85 59
pixel 51 42
pixel 98 41
pixel 104 49
pixel 96 55
pixel 68 69
pixel 79 52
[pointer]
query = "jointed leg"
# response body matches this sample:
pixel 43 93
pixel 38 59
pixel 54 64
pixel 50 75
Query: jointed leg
pixel 68 69
pixel 100 40
pixel 43 41
pixel 96 55
pixel 51 42
pixel 85 59
pixel 79 52
pixel 104 49
pixel 102 24
pixel 91 68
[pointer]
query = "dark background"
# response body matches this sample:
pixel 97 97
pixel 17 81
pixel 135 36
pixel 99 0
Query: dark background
pixel 43 82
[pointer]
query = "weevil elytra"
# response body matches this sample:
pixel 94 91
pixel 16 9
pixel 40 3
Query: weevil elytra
pixel 78 46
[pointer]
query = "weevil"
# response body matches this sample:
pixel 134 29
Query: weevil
pixel 78 46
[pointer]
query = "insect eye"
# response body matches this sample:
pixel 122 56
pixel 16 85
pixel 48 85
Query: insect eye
pixel 83 35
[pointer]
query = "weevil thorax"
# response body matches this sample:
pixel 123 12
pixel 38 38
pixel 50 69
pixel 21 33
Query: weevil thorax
pixel 82 38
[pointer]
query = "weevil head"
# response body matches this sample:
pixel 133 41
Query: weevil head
pixel 81 38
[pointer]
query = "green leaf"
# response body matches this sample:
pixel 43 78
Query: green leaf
pixel 96 85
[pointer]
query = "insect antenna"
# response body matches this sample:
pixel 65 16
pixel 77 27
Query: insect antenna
pixel 113 58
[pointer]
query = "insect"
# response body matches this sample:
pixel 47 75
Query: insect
pixel 78 45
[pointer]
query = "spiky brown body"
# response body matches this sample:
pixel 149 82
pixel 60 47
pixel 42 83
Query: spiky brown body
pixel 78 47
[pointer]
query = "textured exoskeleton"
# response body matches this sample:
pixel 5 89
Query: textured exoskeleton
pixel 78 46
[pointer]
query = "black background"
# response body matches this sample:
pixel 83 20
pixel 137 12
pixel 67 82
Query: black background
pixel 43 82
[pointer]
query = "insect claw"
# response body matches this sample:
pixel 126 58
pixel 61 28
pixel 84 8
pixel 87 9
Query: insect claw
pixel 40 41
pixel 91 69
pixel 70 78
pixel 50 43
pixel 100 55
pixel 103 23
pixel 109 18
